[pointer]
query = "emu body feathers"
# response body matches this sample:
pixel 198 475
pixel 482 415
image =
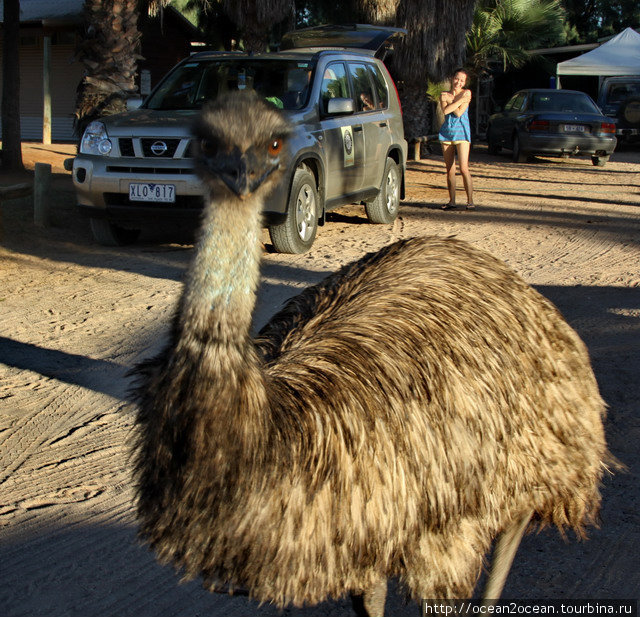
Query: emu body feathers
pixel 391 421
pixel 388 422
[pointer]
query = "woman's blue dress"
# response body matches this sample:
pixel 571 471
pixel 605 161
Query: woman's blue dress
pixel 456 128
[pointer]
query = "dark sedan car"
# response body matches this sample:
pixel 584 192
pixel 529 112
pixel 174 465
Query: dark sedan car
pixel 552 123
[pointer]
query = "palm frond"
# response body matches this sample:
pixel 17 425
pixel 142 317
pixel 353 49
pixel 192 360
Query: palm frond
pixel 503 30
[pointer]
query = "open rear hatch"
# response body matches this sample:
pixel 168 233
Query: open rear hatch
pixel 375 39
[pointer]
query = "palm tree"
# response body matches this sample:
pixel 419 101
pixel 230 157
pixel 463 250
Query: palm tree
pixel 11 140
pixel 433 48
pixel 255 18
pixel 382 12
pixel 503 31
pixel 110 51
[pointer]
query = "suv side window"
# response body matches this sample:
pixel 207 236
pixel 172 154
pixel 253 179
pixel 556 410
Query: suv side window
pixel 334 84
pixel 380 86
pixel 362 87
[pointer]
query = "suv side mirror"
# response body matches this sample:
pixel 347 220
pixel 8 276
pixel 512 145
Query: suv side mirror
pixel 340 106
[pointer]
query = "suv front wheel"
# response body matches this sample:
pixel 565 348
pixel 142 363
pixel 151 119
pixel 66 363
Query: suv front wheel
pixel 298 231
pixel 384 208
pixel 109 234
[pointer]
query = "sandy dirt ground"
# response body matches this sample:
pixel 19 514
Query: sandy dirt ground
pixel 75 316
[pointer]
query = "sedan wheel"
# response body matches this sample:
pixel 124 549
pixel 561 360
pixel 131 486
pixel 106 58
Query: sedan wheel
pixel 518 155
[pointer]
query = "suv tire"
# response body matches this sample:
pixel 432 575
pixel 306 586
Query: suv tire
pixel 109 234
pixel 384 208
pixel 599 161
pixel 298 231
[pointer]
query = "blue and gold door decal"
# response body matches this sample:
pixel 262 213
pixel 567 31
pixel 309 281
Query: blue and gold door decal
pixel 348 146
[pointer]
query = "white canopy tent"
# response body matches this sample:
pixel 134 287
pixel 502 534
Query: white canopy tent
pixel 618 56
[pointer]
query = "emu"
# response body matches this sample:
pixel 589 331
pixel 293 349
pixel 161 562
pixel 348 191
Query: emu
pixel 390 421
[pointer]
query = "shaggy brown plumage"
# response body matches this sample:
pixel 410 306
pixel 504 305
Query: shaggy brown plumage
pixel 389 422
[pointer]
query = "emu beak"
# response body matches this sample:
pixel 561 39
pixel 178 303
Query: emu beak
pixel 241 172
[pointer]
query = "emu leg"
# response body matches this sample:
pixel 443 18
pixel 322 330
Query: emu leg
pixel 371 602
pixel 503 554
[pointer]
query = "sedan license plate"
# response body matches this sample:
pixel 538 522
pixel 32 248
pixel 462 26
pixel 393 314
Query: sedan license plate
pixel 147 191
pixel 574 128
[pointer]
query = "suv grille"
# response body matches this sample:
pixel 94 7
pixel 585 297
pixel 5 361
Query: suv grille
pixel 164 148
pixel 170 146
pixel 126 146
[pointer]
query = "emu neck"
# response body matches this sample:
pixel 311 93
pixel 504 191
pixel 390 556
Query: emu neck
pixel 219 293
pixel 215 366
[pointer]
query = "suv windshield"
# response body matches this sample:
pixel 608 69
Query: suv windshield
pixel 285 83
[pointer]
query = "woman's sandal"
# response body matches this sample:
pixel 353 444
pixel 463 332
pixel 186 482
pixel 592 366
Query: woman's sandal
pixel 471 206
pixel 449 207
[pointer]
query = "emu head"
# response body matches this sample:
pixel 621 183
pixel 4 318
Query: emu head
pixel 240 145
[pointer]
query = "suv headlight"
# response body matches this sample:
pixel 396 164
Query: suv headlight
pixel 95 140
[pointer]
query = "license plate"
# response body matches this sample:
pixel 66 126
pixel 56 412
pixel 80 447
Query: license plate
pixel 147 191
pixel 574 128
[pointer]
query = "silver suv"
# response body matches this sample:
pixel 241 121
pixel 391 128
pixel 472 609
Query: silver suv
pixel 348 144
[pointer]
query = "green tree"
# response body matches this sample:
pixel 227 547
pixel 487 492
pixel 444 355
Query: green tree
pixel 591 19
pixel 504 30
pixel 188 9
pixel 254 19
pixel 209 16
pixel 11 139
pixel 317 12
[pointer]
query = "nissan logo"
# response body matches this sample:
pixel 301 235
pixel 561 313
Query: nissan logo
pixel 158 148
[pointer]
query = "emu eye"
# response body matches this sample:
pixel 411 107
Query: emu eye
pixel 275 147
pixel 208 147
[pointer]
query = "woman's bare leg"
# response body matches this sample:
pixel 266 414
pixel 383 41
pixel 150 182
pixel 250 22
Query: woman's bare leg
pixel 449 153
pixel 463 149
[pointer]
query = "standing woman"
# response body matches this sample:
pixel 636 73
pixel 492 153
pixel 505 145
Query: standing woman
pixel 455 136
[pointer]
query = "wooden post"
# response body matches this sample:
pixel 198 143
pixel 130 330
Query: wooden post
pixel 416 150
pixel 41 195
pixel 46 90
